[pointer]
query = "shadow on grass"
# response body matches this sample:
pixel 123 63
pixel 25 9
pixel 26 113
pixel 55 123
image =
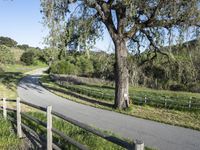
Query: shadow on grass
pixel 30 141
pixel 10 79
pixel 100 86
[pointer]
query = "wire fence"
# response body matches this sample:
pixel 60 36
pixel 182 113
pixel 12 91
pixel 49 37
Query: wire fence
pixel 164 102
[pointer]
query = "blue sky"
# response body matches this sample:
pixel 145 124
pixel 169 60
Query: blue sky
pixel 22 21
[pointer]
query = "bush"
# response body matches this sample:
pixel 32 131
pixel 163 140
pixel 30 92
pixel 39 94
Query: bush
pixel 177 87
pixel 28 57
pixel 1 70
pixel 49 55
pixel 194 87
pixel 38 63
pixel 103 66
pixel 85 66
pixel 6 56
pixel 63 67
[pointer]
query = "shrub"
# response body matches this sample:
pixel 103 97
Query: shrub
pixel 49 55
pixel 103 66
pixel 194 87
pixel 85 66
pixel 1 70
pixel 38 63
pixel 63 67
pixel 156 72
pixel 28 57
pixel 6 56
pixel 177 87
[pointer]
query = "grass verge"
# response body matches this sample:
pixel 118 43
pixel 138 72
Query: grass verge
pixel 8 84
pixel 8 139
pixel 78 134
pixel 184 118
pixel 9 77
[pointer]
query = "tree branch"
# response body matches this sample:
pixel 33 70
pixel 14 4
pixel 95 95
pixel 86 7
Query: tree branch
pixel 152 43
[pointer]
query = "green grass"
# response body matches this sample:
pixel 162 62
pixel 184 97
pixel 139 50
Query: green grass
pixel 8 84
pixel 82 136
pixel 11 76
pixel 8 139
pixel 159 98
pixel 20 68
pixel 184 118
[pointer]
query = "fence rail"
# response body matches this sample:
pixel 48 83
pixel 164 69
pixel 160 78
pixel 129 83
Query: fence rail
pixel 50 130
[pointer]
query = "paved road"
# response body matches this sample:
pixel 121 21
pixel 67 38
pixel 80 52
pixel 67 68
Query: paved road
pixel 156 135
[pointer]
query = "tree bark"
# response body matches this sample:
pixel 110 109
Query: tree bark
pixel 121 75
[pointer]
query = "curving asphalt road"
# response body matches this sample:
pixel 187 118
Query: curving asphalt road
pixel 155 135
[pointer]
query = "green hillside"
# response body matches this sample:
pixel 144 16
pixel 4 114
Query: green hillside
pixel 179 71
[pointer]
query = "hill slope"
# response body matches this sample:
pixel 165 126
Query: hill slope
pixel 179 71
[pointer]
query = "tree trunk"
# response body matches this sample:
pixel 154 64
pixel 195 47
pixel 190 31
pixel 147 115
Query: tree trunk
pixel 121 75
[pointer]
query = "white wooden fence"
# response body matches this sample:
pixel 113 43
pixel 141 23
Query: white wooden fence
pixel 137 145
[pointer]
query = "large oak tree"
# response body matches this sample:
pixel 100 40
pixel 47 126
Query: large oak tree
pixel 129 23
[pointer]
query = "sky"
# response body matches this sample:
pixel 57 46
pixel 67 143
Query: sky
pixel 21 20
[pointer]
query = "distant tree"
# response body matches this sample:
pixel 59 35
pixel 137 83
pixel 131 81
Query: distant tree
pixel 85 66
pixel 50 55
pixel 64 67
pixel 28 57
pixel 23 46
pixel 7 41
pixel 103 65
pixel 132 23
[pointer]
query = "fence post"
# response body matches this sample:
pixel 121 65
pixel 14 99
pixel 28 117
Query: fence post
pixel 145 99
pixel 19 122
pixel 49 128
pixel 139 145
pixel 165 103
pixel 4 108
pixel 189 104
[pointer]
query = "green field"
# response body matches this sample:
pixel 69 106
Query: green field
pixel 92 141
pixel 157 98
pixel 80 135
pixel 189 118
pixel 8 139
pixel 9 77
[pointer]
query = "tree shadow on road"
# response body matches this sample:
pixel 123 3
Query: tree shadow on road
pixel 31 82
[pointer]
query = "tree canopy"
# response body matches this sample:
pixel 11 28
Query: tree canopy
pixel 7 41
pixel 132 24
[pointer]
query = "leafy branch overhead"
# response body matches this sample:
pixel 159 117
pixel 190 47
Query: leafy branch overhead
pixel 136 19
pixel 132 24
